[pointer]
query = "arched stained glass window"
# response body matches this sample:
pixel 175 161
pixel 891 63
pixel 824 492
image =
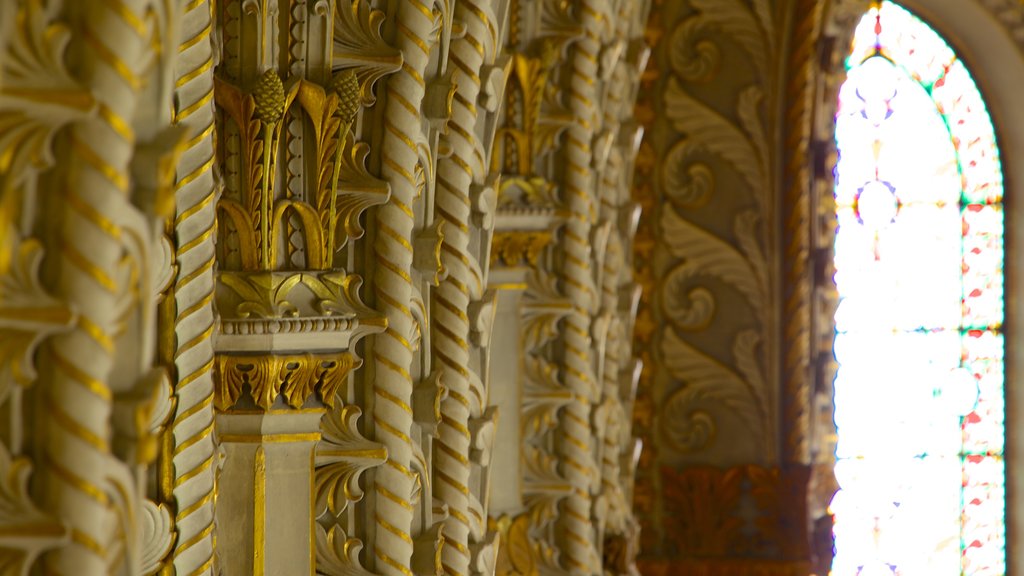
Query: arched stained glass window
pixel 919 402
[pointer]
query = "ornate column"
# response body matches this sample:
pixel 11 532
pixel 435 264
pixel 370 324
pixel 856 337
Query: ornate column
pixel 563 229
pixel 189 472
pixel 295 185
pixel 95 205
pixel 393 352
pixel 460 309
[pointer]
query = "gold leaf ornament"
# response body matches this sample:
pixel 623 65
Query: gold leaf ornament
pixel 269 97
pixel 346 86
pixel 262 294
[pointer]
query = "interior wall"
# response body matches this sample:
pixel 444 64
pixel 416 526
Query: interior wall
pixel 698 407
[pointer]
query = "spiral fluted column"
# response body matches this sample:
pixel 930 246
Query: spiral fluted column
pixel 463 285
pixel 192 428
pixel 395 482
pixel 575 441
pixel 112 45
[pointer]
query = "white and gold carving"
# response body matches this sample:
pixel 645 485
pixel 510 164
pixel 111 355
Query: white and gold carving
pixel 196 188
pixel 27 532
pixel 341 457
pixel 189 182
pixel 456 295
pixel 396 483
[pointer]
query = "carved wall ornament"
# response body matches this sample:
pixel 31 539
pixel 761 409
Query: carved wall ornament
pixel 358 46
pixel 28 315
pixel 339 192
pixel 338 555
pixel 519 248
pixel 293 378
pixel 39 96
pixel 27 532
pixel 341 457
pixel 739 258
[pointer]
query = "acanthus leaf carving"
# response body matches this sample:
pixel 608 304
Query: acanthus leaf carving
pixel 25 531
pixel 28 315
pixel 518 248
pixel 337 294
pixel 693 57
pixel 751 29
pixel 331 115
pixel 532 191
pixel 559 26
pixel 687 424
pixel 342 455
pixel 706 126
pixel 543 486
pixel 543 396
pixel 38 96
pixel 337 554
pixel 358 45
pixel 267 376
pixel 706 255
pixel 332 375
pixel 257 116
pixel 262 294
pixel 359 190
pixel 544 307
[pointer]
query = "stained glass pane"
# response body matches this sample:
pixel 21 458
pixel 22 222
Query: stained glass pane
pixel 919 397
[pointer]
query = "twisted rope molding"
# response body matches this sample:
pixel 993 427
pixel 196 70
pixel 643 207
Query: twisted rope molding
pixel 575 442
pixel 195 192
pixel 76 454
pixel 395 482
pixel 796 353
pixel 464 284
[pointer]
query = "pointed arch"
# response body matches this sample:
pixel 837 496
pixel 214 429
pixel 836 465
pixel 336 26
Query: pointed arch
pixel 970 31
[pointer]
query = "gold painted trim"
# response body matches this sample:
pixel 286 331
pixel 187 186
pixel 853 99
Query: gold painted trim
pixel 259 518
pixel 312 513
pixel 510 286
pixel 277 411
pixel 270 438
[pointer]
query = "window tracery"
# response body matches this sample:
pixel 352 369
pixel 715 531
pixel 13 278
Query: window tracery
pixel 919 270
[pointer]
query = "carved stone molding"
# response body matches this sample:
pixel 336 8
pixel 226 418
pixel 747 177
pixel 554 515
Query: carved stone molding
pixel 519 248
pixel 291 379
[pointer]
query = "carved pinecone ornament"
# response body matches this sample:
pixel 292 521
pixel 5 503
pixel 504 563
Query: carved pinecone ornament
pixel 269 97
pixel 346 86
